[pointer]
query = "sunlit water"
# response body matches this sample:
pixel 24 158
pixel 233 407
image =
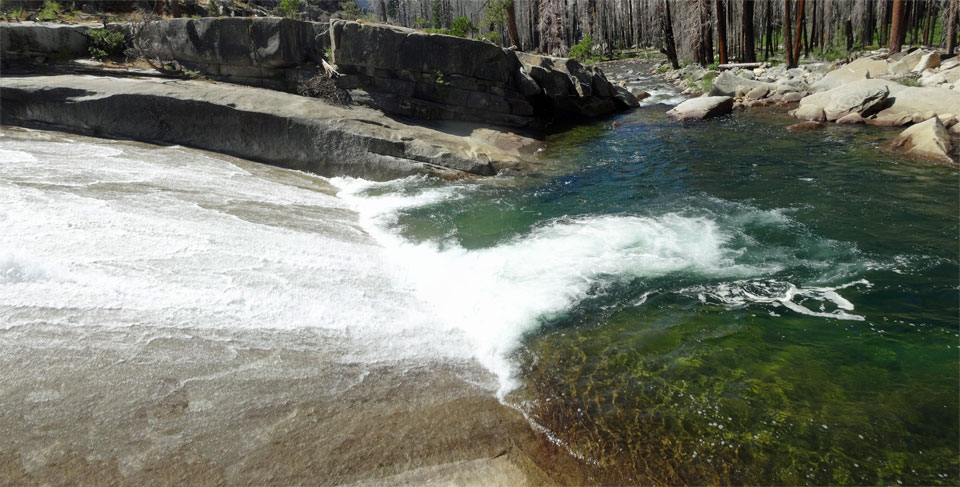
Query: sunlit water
pixel 726 302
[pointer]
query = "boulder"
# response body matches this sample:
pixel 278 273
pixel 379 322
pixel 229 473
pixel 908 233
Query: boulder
pixel 625 97
pixel 863 98
pixel 928 139
pixel 810 112
pixel 728 84
pixel 929 60
pixel 889 120
pixel 758 92
pixel 702 108
pixel 904 62
pixel 908 100
pixel 860 69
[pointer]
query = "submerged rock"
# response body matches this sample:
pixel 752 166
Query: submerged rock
pixel 702 108
pixel 805 126
pixel 928 139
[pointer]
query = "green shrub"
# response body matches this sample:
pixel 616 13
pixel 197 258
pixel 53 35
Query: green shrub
pixel 349 10
pixel 442 85
pixel 909 82
pixel 462 27
pixel 50 11
pixel 289 8
pixel 104 43
pixel 706 83
pixel 581 50
pixel 437 31
pixel 492 36
pixel 663 69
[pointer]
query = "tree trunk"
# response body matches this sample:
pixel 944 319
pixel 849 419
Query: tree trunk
pixel 952 27
pixel 746 27
pixel 798 41
pixel 721 32
pixel 897 27
pixel 788 36
pixel 382 12
pixel 848 30
pixel 868 24
pixel 512 25
pixel 666 28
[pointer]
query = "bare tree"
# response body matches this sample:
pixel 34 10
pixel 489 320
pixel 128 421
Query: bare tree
pixel 952 27
pixel 749 54
pixel 666 27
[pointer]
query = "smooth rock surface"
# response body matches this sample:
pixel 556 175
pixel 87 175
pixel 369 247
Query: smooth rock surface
pixel 863 97
pixel 928 139
pixel 857 70
pixel 702 108
pixel 257 124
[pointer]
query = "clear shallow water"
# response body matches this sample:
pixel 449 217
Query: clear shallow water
pixel 721 303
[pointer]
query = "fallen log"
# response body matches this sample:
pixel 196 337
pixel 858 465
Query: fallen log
pixel 739 65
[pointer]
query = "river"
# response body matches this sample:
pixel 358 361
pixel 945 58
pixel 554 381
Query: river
pixel 719 303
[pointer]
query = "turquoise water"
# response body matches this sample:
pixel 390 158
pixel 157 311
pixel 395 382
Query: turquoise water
pixel 725 302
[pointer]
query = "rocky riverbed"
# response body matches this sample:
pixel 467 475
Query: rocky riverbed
pixel 916 87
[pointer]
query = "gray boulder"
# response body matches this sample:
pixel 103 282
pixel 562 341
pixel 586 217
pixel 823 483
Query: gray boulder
pixel 860 69
pixel 904 62
pixel 928 140
pixel 729 84
pixel 702 108
pixel 863 98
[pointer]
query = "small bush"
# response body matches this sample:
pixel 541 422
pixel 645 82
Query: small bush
pixel 104 43
pixel 50 11
pixel 437 31
pixel 582 50
pixel 289 8
pixel 324 88
pixel 492 36
pixel 663 69
pixel 706 83
pixel 462 27
pixel 909 82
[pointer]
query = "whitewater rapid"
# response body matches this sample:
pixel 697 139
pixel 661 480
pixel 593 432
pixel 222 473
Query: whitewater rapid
pixel 107 233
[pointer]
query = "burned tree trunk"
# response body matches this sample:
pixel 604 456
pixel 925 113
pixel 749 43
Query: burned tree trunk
pixel 952 27
pixel 797 40
pixel 721 32
pixel 666 28
pixel 512 25
pixel 897 27
pixel 788 36
pixel 746 28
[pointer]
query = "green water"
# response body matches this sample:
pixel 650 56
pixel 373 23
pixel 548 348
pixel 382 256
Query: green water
pixel 695 365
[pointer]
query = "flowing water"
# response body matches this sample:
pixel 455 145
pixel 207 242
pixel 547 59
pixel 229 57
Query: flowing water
pixel 725 302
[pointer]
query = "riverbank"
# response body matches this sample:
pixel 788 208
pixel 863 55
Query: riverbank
pixel 915 87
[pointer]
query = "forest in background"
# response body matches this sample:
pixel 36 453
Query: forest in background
pixel 701 31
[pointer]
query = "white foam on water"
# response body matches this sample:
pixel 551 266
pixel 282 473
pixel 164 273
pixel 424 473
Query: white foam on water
pixel 496 295
pixel 778 293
